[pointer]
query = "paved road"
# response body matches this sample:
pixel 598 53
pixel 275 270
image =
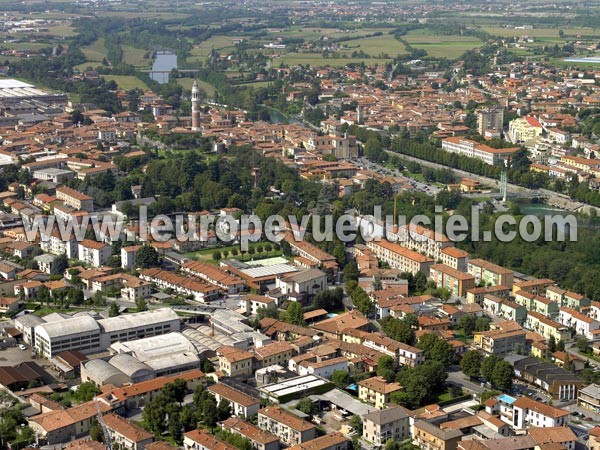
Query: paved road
pixel 553 198
pixel 455 376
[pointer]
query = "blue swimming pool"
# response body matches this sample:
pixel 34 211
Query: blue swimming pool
pixel 507 399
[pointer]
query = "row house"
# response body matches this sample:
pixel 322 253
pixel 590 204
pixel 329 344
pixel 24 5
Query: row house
pixel 186 286
pixel 537 303
pixel 567 299
pixel 455 281
pixel 504 308
pixel 201 440
pixel 535 286
pixel 403 354
pixel 477 295
pixel 399 257
pixel 420 239
pixel 214 275
pixel 488 273
pixel 546 327
pixel 260 439
pixel 582 324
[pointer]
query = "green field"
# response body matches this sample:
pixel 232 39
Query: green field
pixel 220 43
pixel 311 33
pixel 126 82
pixel 20 46
pixel 61 31
pixel 317 60
pixel 135 57
pixel 376 45
pixel 96 51
pixel 449 46
pixel 188 82
pixel 541 33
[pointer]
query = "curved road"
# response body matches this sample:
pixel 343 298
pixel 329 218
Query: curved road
pixel 554 199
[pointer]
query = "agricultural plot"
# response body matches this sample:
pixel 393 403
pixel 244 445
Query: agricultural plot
pixel 449 46
pixel 126 82
pixel 187 83
pixel 376 46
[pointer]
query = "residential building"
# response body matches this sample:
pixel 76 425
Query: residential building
pixel 589 398
pixel 128 256
pixel 547 327
pixel 233 361
pixel 302 286
pixel 399 257
pixel 201 440
pixel 490 121
pixel 96 254
pixel 582 324
pixel 528 412
pixel 242 405
pixel 491 274
pixel 420 239
pixel 381 425
pixel 500 342
pixel 330 441
pixel 428 436
pixel 126 435
pixel 594 439
pixel 455 258
pixel 377 391
pixel 524 129
pixel 455 281
pixel 477 295
pixel 272 354
pixel 290 429
pixel 260 439
pixel 75 199
pixel 403 354
pixel 473 149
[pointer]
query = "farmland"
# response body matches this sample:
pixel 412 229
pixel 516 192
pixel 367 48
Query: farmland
pixel 449 46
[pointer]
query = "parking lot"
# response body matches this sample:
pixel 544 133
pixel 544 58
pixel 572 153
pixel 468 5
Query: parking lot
pixel 14 355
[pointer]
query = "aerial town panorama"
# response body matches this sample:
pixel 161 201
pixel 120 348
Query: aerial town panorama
pixel 299 224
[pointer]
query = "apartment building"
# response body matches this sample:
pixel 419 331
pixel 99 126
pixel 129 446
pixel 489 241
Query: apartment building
pixel 491 274
pixel 504 308
pixel 547 327
pixel 524 129
pixel 201 440
pixel 377 391
pixel 473 149
pixel 242 405
pixel 567 299
pixel 260 439
pixel 490 121
pixel 428 436
pixel 94 253
pixel 323 368
pixel 535 286
pixel 455 281
pixel 126 435
pixel 477 295
pixel 589 398
pixel 381 425
pixel 234 361
pixel 75 199
pixel 420 239
pixel 201 292
pixel 399 257
pixel 128 256
pixel 582 324
pixel 251 303
pixel 272 354
pixel 537 303
pixel 528 412
pixel 403 354
pixel 455 258
pixel 214 275
pixel 330 441
pixel 499 342
pixel 290 429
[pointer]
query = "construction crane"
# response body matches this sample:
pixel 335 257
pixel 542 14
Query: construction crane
pixel 107 439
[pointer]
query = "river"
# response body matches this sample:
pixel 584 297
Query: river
pixel 164 62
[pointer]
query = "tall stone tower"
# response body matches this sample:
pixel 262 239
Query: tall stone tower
pixel 195 107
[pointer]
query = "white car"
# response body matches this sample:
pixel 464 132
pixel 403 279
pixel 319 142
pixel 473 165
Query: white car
pixel 22 347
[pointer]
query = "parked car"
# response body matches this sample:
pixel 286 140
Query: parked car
pixel 22 347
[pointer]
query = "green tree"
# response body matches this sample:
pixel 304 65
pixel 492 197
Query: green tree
pixel 146 257
pixel 340 378
pixel 350 272
pixel 86 392
pixel 436 349
pixel 467 323
pixel 216 255
pixel 224 409
pixel 59 265
pixel 482 324
pixel 487 367
pixel 141 305
pixel 294 314
pixel 357 424
pixel 306 406
pixel 582 344
pixel 113 310
pixel 470 363
pixel 502 375
pixel 96 432
pixel 385 367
